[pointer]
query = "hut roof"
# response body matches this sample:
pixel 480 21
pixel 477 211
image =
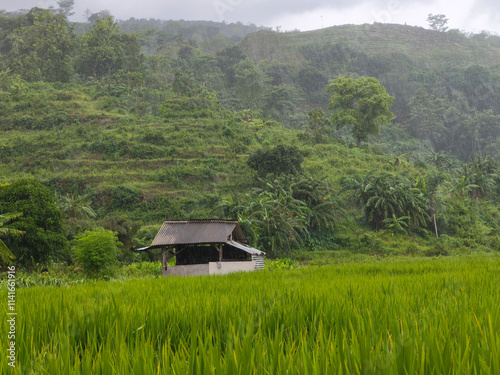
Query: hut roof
pixel 201 232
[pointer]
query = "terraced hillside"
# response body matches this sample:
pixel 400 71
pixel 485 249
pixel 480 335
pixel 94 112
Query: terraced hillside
pixel 428 46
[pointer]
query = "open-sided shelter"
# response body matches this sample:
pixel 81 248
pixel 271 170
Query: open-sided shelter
pixel 204 247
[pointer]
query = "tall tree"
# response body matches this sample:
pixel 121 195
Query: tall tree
pixel 437 22
pixel 227 59
pixel 475 133
pixel 363 104
pixel 66 7
pixel 104 50
pixel 280 102
pixel 249 82
pixel 317 124
pixel 43 51
pixel 425 116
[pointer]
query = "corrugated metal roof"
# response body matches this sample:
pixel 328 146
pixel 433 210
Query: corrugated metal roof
pixel 198 231
pixel 248 249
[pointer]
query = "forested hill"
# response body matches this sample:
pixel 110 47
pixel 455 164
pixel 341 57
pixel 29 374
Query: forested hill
pixel 442 82
pixel 422 45
pixel 125 130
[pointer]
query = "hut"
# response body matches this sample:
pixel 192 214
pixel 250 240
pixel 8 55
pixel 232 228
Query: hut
pixel 204 247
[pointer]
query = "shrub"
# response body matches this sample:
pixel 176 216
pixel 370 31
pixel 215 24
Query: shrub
pixel 278 160
pixel 439 249
pixel 124 197
pixel 96 251
pixel 280 264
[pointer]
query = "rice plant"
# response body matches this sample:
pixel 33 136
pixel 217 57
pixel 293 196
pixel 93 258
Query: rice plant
pixel 430 316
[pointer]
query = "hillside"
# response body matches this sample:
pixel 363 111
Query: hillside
pixel 424 46
pixel 420 44
pixel 150 168
pixel 184 157
pixel 451 72
pixel 127 140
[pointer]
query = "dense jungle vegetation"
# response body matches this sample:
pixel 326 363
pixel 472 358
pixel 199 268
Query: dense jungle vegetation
pixel 123 124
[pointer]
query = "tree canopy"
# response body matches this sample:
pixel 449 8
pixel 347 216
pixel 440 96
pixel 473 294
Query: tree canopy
pixel 42 221
pixel 43 50
pixel 363 104
pixel 437 22
pixel 105 50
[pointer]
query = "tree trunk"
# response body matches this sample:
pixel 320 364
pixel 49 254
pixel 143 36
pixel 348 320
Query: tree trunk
pixel 435 224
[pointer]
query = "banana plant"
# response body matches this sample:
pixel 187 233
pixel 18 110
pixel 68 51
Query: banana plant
pixel 5 254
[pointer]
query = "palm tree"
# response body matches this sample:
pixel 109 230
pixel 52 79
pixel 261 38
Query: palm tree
pixel 384 200
pixel 359 186
pixel 283 218
pixel 429 186
pixel 414 203
pixel 382 196
pixel 323 204
pixel 5 254
pixel 397 224
pixel 462 186
pixel 76 206
pixel 484 172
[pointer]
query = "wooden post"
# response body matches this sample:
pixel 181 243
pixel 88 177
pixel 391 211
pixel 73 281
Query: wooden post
pixel 219 249
pixel 164 261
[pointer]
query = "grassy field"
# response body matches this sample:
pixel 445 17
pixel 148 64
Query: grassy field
pixel 399 316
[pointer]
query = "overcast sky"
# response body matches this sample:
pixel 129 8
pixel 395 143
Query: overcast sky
pixel 466 15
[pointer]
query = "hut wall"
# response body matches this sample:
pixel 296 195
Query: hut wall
pixel 189 270
pixel 230 267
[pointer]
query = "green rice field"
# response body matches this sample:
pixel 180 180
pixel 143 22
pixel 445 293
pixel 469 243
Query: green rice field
pixel 411 316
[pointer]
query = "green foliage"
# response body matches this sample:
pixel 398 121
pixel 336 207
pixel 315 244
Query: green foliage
pixel 43 50
pixel 369 243
pixel 163 127
pixel 389 197
pixel 76 206
pixel 311 80
pixel 317 125
pixel 278 160
pixel 6 255
pixel 280 264
pixel 363 104
pixel 437 22
pixel 124 228
pixel 104 51
pixel 325 208
pixel 249 82
pixel 42 221
pixel 397 224
pixel 272 218
pixel 140 270
pixel 124 197
pixel 278 216
pixel 192 100
pixel 438 249
pixel 96 252
pixel 281 103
